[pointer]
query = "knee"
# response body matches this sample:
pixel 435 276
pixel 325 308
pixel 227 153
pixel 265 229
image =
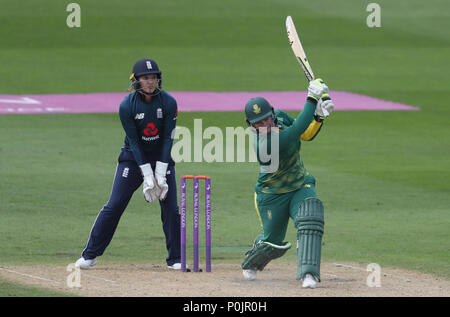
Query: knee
pixel 310 215
pixel 114 207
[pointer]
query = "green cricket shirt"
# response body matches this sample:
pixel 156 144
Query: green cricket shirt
pixel 291 172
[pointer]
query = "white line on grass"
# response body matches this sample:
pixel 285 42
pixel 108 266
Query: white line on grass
pixel 29 275
pixel 99 278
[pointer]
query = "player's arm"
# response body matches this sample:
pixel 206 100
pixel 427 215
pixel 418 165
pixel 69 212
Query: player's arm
pixel 128 125
pixel 170 122
pixel 300 124
pixel 313 129
pixel 323 109
pixel 151 192
pixel 315 90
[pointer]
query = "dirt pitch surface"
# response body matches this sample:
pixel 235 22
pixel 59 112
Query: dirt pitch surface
pixel 225 280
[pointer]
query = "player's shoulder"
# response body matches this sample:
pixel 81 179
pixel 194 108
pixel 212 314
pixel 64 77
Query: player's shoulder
pixel 125 105
pixel 128 100
pixel 168 99
pixel 167 96
pixel 283 117
pixel 279 112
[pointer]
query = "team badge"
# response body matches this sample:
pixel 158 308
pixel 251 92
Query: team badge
pixel 256 109
pixel 125 172
pixel 159 113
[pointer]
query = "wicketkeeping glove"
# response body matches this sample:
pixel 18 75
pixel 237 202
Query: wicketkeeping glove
pixel 317 88
pixel 160 174
pixel 150 190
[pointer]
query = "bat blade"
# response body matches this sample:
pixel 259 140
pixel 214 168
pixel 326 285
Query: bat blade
pixel 297 48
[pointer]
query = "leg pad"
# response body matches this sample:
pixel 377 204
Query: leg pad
pixel 262 253
pixel 310 225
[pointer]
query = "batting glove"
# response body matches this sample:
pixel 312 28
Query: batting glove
pixel 317 88
pixel 324 107
pixel 160 174
pixel 149 189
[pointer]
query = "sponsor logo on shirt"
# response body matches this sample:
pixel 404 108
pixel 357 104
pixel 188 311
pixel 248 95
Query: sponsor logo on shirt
pixel 139 116
pixel 151 129
pixel 150 132
pixel 150 138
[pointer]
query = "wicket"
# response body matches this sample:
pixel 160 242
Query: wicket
pixel 196 220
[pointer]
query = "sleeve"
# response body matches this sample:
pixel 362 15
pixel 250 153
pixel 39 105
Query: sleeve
pixel 313 130
pixel 132 135
pixel 170 122
pixel 300 124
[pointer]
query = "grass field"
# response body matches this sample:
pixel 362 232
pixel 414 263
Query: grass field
pixel 383 176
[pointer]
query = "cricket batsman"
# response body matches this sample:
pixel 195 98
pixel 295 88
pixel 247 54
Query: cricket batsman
pixel 148 116
pixel 288 191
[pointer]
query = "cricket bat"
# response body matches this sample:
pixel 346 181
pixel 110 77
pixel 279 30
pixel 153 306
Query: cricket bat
pixel 296 45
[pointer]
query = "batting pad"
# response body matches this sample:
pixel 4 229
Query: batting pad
pixel 262 253
pixel 309 224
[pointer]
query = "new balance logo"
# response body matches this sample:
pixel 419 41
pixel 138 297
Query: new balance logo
pixel 139 116
pixel 125 172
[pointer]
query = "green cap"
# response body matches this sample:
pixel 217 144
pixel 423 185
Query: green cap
pixel 257 109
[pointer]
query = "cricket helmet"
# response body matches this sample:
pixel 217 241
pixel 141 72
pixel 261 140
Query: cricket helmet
pixel 144 67
pixel 257 109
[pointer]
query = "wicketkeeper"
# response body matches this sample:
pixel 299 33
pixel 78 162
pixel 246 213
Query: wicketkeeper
pixel 148 115
pixel 288 191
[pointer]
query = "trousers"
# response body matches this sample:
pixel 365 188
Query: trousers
pixel 127 180
pixel 275 210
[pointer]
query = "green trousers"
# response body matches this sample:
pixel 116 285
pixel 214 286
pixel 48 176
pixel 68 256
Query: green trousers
pixel 274 210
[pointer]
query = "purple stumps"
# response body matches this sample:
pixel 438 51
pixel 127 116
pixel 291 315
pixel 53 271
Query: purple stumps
pixel 196 218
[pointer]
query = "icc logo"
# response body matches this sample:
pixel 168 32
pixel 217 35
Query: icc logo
pixel 150 129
